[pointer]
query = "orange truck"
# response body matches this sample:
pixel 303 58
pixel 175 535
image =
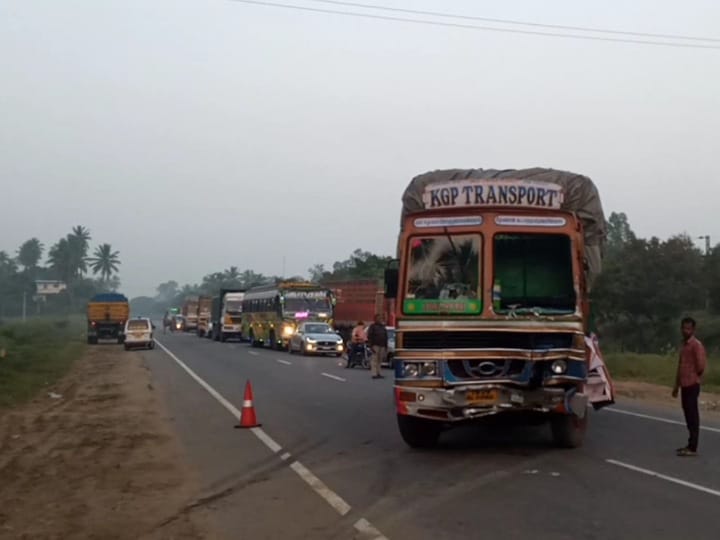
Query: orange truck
pixel 106 317
pixel 358 300
pixel 492 302
pixel 204 309
pixel 190 313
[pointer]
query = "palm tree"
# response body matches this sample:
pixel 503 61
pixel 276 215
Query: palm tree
pixel 105 262
pixel 60 258
pixel 30 253
pixel 79 240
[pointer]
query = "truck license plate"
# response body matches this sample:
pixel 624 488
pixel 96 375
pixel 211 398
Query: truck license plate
pixel 481 397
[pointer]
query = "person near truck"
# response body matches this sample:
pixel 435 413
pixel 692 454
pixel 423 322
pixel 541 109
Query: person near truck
pixel 377 336
pixel 691 367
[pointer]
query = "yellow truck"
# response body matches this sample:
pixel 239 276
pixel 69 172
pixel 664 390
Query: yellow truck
pixel 106 317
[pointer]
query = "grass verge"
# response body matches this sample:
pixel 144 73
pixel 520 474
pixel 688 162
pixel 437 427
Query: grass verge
pixel 36 354
pixel 657 369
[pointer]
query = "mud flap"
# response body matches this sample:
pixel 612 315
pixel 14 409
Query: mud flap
pixel 599 387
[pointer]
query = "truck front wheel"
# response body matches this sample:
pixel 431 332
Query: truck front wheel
pixel 418 432
pixel 568 431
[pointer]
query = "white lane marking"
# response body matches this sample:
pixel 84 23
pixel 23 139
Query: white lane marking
pixel 330 376
pixel 366 528
pixel 332 498
pixel 267 439
pixel 665 477
pixel 254 353
pixel 658 419
pixel 259 433
pixel 283 362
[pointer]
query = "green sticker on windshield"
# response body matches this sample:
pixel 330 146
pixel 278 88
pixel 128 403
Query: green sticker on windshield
pixel 423 307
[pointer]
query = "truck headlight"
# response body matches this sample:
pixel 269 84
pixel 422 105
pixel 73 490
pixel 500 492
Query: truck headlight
pixel 558 367
pixel 410 370
pixel 429 369
pixel 288 331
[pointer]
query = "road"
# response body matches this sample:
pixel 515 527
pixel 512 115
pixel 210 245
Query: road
pixel 328 461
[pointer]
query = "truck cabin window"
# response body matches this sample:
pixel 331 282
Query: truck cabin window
pixel 234 306
pixel 443 274
pixel 533 274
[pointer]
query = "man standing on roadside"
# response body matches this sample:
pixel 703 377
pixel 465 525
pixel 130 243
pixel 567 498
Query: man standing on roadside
pixel 691 367
pixel 377 339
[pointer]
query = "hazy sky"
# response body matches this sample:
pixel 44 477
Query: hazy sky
pixel 197 134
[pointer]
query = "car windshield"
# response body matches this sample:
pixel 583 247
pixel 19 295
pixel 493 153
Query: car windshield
pixel 318 329
pixel 138 325
pixel 443 275
pixel 533 274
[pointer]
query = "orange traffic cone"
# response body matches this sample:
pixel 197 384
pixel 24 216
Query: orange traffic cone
pixel 247 417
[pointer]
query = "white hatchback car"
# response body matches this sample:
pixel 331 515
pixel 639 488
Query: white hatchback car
pixel 139 333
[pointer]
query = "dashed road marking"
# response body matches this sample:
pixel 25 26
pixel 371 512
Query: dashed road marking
pixel 658 419
pixel 281 361
pixel 254 353
pixel 672 479
pixel 334 377
pixel 285 456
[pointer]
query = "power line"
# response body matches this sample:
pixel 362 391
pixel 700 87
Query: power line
pixel 516 22
pixel 477 27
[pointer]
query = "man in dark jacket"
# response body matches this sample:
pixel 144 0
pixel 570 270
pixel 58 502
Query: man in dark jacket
pixel 377 337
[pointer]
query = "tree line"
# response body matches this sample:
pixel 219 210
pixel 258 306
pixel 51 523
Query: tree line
pixel 359 265
pixel 68 260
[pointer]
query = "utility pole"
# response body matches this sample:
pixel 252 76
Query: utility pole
pixel 706 237
pixel 707 243
pixel 24 306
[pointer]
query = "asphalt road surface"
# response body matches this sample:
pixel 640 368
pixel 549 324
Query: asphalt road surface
pixel 328 461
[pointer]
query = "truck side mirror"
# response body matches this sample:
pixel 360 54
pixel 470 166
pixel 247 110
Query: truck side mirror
pixel 392 277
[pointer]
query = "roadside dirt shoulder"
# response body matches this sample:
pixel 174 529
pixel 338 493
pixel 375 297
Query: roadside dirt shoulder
pixel 96 459
pixel 661 395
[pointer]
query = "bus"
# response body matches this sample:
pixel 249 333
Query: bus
pixel 272 313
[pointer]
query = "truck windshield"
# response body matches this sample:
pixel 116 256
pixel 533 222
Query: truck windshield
pixel 533 274
pixel 233 306
pixel 443 275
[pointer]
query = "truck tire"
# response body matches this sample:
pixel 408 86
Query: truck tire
pixel 568 431
pixel 418 432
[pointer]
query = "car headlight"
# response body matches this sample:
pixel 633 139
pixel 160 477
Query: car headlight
pixel 558 367
pixel 288 331
pixel 310 340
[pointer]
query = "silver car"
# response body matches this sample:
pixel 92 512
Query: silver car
pixel 316 338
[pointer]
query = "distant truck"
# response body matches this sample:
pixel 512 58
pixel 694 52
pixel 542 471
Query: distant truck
pixel 227 314
pixel 106 317
pixel 359 300
pixel 204 311
pixel 493 313
pixel 190 313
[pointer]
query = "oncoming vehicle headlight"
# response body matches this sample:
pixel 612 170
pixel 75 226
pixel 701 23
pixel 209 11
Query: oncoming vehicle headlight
pixel 310 340
pixel 288 331
pixel 558 367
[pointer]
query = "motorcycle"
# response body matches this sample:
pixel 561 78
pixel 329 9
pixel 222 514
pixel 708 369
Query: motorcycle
pixel 358 355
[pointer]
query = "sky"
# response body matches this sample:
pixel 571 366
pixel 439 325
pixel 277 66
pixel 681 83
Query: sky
pixel 193 135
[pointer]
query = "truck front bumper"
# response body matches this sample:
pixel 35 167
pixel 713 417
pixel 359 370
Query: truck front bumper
pixel 467 402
